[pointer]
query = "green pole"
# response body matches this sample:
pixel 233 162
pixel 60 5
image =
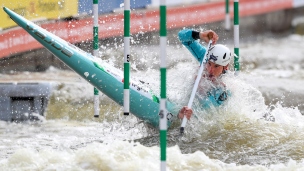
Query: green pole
pixel 95 53
pixel 227 19
pixel 163 109
pixel 126 57
pixel 236 35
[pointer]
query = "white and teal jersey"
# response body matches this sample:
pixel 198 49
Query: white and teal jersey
pixel 214 97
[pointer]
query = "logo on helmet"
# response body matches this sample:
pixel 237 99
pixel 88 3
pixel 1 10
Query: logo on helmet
pixel 212 57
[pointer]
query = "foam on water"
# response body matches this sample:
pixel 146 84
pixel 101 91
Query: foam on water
pixel 123 155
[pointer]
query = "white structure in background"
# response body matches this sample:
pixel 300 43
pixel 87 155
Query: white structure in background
pixel 296 3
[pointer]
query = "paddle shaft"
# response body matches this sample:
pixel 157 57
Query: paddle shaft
pixel 197 80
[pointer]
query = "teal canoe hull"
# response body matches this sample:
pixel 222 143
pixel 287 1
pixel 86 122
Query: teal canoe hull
pixel 143 104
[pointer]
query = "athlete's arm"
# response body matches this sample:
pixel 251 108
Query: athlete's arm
pixel 189 39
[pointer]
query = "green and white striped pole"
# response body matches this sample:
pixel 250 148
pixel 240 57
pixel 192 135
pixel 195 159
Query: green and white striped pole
pixel 126 57
pixel 163 109
pixel 227 17
pixel 95 53
pixel 236 36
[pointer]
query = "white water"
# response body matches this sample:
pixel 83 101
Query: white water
pixel 233 137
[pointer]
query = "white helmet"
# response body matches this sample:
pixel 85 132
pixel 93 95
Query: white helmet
pixel 219 54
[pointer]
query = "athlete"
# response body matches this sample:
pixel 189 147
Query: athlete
pixel 214 91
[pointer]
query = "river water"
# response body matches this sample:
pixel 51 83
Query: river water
pixel 261 127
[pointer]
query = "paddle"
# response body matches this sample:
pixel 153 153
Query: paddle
pixel 197 80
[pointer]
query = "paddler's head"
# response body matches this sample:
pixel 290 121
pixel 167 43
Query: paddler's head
pixel 218 60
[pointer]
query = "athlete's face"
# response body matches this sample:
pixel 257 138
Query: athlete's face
pixel 214 70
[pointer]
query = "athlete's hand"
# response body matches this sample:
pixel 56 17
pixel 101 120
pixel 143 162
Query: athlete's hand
pixel 209 35
pixel 185 111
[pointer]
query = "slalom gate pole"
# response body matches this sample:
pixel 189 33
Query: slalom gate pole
pixel 163 70
pixel 95 53
pixel 227 19
pixel 236 36
pixel 197 80
pixel 126 57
